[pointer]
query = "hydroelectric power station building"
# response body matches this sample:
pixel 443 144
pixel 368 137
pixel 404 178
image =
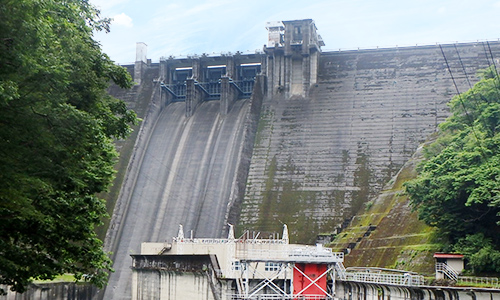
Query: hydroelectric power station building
pixel 244 268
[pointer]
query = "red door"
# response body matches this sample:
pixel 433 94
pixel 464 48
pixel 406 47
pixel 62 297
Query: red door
pixel 309 273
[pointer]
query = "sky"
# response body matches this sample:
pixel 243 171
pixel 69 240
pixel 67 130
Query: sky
pixel 185 27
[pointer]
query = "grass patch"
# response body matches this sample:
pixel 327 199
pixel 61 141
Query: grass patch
pixel 60 278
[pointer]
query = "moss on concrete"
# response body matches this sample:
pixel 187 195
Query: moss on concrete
pixel 362 177
pixel 400 240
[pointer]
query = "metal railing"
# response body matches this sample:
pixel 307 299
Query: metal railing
pixel 341 271
pixel 406 279
pixel 213 89
pixel 487 281
pixel 245 86
pixel 447 270
pixel 279 297
pixel 202 241
pixel 305 253
pixel 177 90
pixel 226 241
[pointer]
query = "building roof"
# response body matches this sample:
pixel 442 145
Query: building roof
pixel 448 255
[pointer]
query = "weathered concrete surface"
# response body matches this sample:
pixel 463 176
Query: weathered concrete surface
pixel 54 291
pixel 169 285
pixel 317 159
pixel 184 170
pixel 387 232
pixel 167 277
pixel 368 291
pixel 138 99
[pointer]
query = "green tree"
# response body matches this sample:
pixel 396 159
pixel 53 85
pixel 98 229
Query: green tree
pixel 458 187
pixel 480 252
pixel 57 126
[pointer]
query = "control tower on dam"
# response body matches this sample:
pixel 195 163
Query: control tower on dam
pixel 292 135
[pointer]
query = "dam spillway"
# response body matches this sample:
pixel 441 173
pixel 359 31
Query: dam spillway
pixel 187 166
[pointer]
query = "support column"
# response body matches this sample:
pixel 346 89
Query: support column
pixel 134 284
pixel 306 74
pixel 196 69
pixel 140 61
pixel 231 68
pixel 228 95
pixel 191 97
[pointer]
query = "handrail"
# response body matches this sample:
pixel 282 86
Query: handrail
pixel 278 297
pixel 236 86
pixel 168 88
pixel 489 281
pixel 200 85
pixel 341 271
pixel 447 270
pixel 406 279
pixel 291 254
pixel 226 241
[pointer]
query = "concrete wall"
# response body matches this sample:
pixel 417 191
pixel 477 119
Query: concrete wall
pixel 54 291
pixel 367 291
pixel 169 285
pixel 318 159
pixel 166 277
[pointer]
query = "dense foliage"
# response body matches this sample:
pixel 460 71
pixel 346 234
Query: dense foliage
pixel 57 126
pixel 458 187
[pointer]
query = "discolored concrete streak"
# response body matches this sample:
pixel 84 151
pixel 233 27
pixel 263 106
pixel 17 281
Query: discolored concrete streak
pixel 185 176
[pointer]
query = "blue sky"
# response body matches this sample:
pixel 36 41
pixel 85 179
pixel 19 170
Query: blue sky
pixel 185 27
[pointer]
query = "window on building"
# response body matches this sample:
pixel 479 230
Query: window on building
pixel 297 34
pixel 272 267
pixel 236 266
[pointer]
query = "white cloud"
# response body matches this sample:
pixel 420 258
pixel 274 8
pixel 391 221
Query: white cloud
pixel 123 20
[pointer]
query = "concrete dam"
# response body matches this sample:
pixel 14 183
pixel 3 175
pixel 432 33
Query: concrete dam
pixel 292 135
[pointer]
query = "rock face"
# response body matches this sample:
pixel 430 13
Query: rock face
pixel 318 158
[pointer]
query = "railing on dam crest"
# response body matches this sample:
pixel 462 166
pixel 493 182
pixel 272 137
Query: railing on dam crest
pixel 383 276
pixel 211 89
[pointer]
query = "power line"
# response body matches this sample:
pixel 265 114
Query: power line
pixel 476 104
pixel 463 68
pixel 459 95
pixel 495 80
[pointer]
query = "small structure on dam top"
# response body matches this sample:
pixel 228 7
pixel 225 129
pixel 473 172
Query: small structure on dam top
pixel 293 51
pixel 247 268
pixel 449 265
